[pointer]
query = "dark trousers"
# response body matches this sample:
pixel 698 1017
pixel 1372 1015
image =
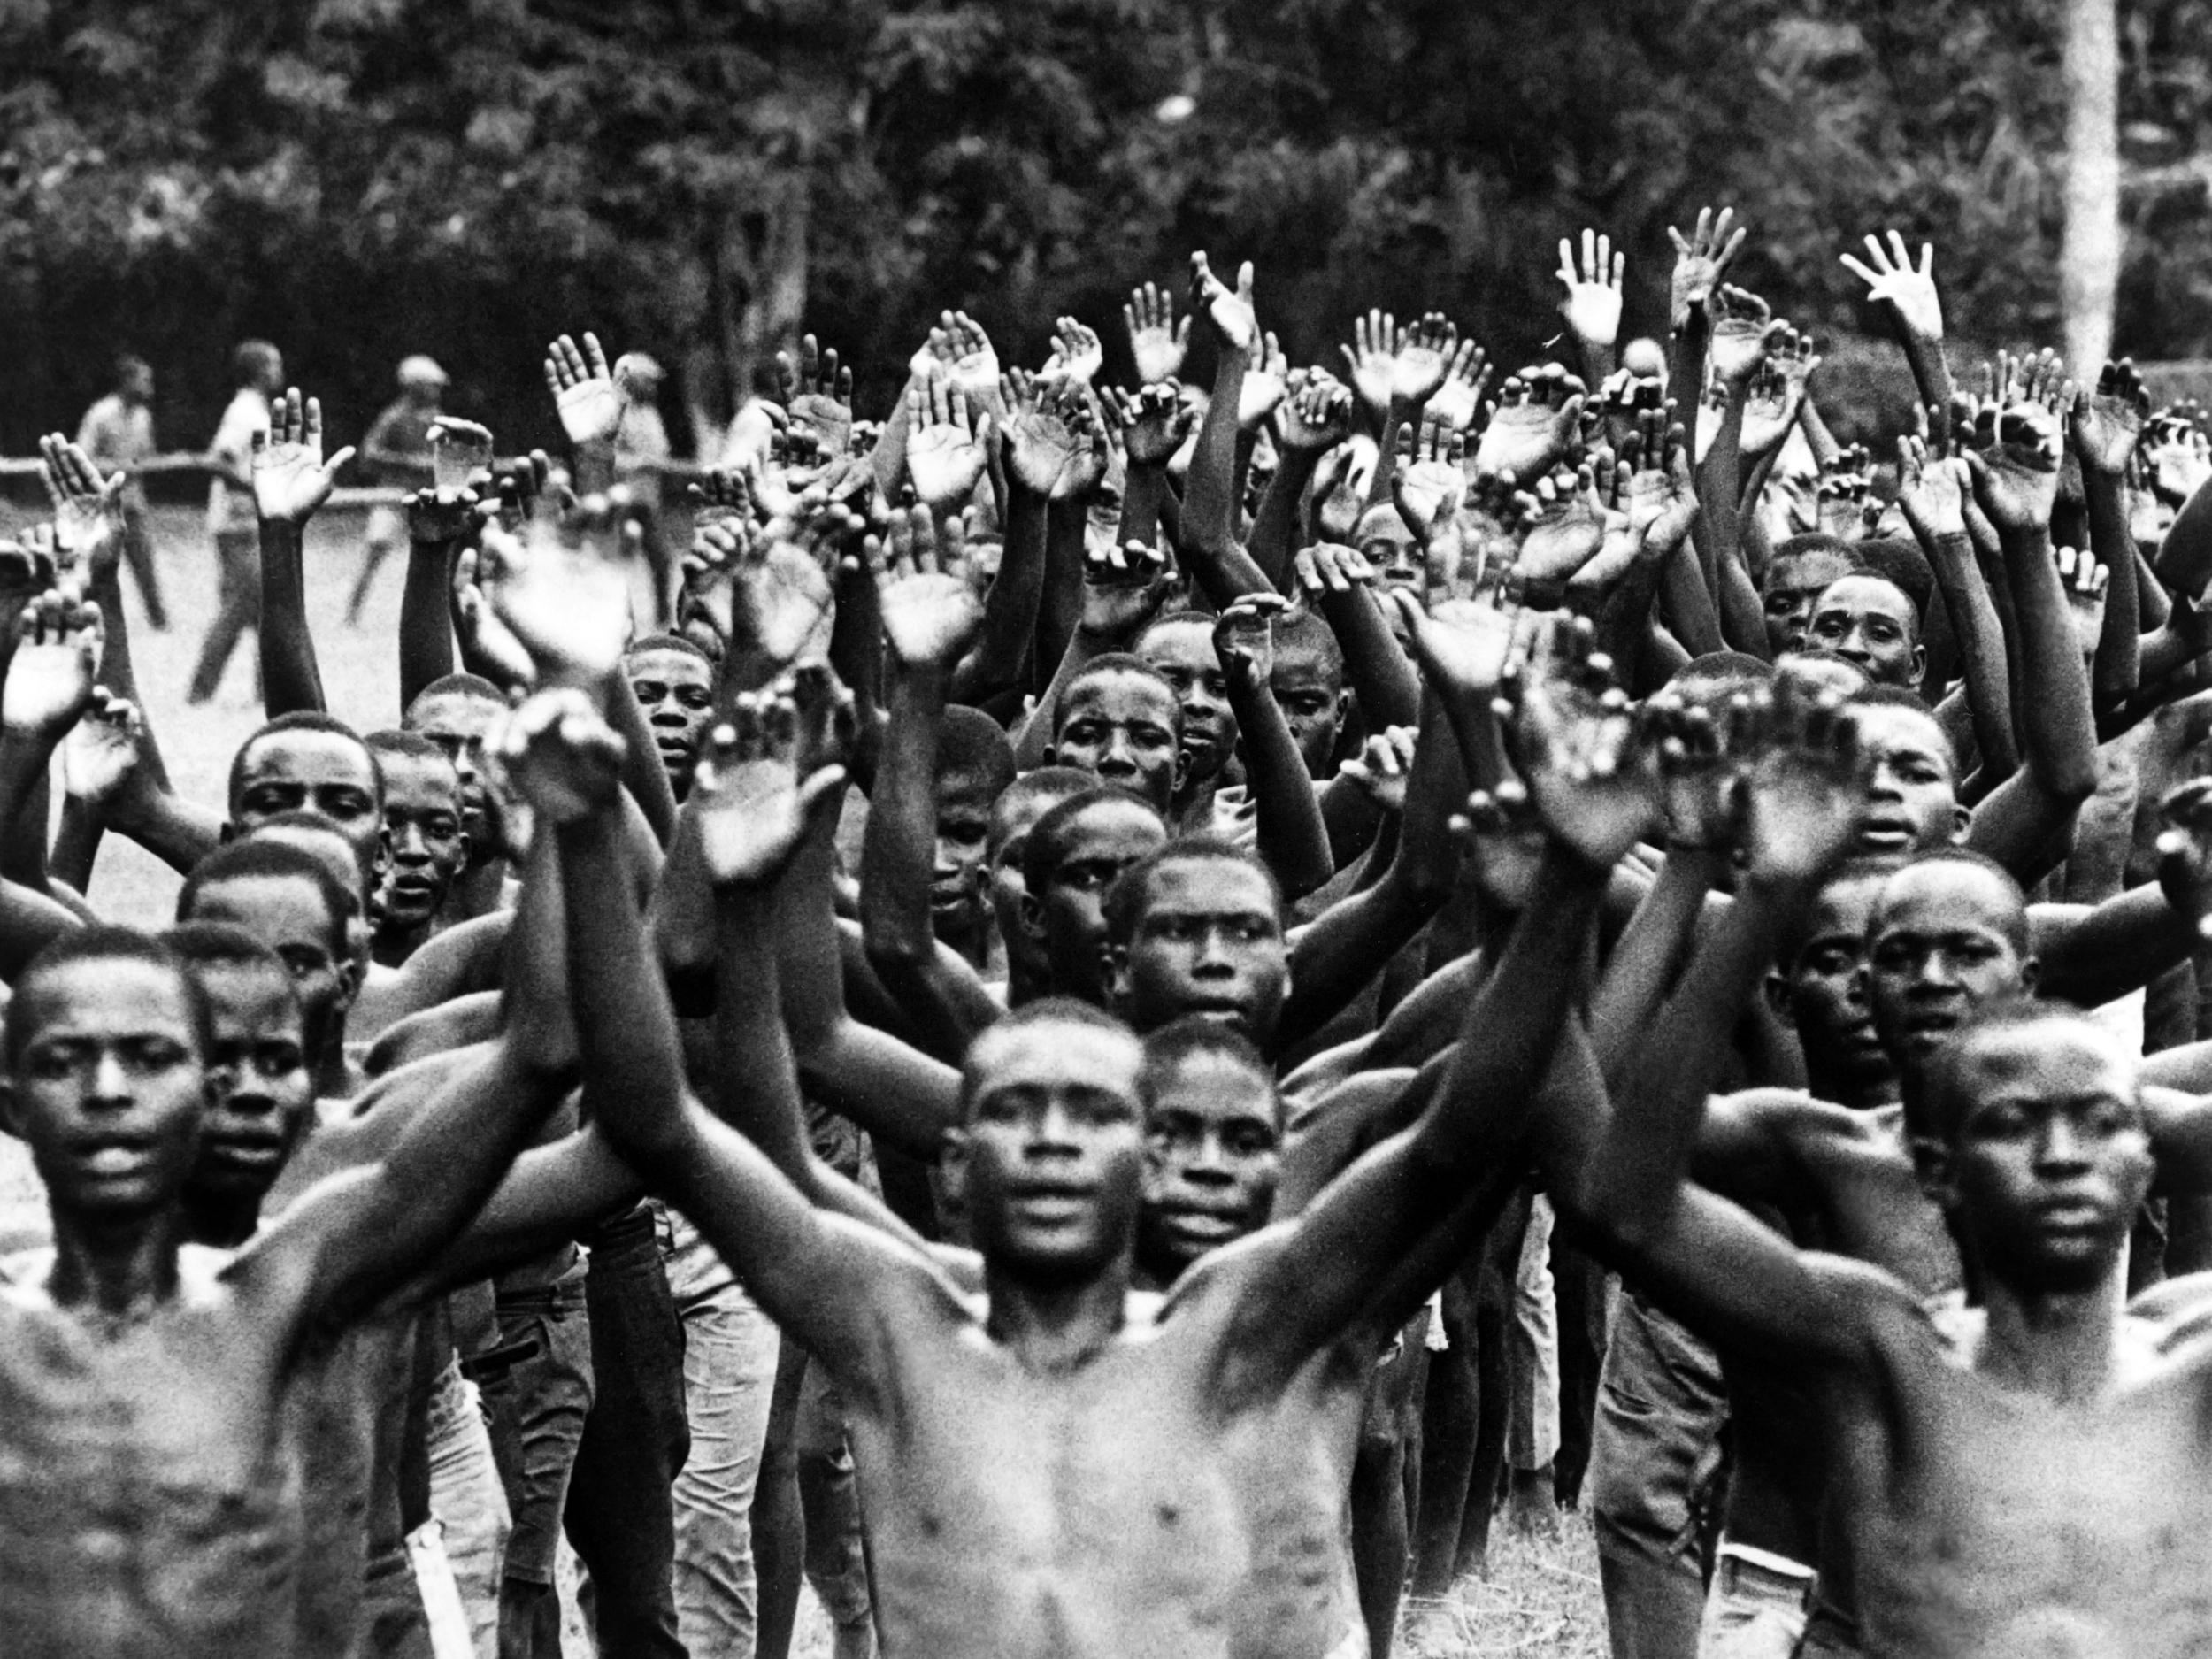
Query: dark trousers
pixel 138 553
pixel 619 1516
pixel 238 607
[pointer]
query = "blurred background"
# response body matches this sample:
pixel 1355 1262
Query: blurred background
pixel 359 179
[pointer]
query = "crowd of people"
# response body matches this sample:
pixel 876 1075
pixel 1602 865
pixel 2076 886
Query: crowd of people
pixel 1123 1011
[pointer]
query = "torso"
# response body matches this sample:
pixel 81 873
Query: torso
pixel 1136 1506
pixel 150 1492
pixel 1995 1524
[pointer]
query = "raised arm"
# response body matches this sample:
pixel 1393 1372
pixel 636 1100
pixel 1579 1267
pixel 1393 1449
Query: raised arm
pixel 290 480
pixel 1291 837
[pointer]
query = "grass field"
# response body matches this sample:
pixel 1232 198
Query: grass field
pixel 1541 1598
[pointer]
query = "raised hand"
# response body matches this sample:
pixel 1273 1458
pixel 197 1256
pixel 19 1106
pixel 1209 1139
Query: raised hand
pixel 101 749
pixel 1932 495
pixel 1777 394
pixel 1371 358
pixel 2177 454
pixel 1699 260
pixel 1077 353
pixel 556 753
pixel 290 478
pixel 563 591
pixel 50 677
pixel 945 453
pixel 1228 311
pixel 1123 587
pixel 1153 421
pixel 1744 332
pixel 1592 305
pixel 1317 415
pixel 721 496
pixel 1265 382
pixel 1381 767
pixel 2083 580
pixel 1530 424
pixel 818 395
pixel 583 389
pixel 1462 646
pixel 1575 745
pixel 1889 276
pixel 1054 443
pixel 748 797
pixel 488 648
pixel 1565 523
pixel 87 509
pixel 1698 784
pixel 2107 424
pixel 781 600
pixel 1244 637
pixel 1429 481
pixel 1460 397
pixel 931 615
pixel 1156 340
pixel 1802 791
pixel 1328 568
pixel 1660 496
pixel 460 453
pixel 2016 472
pixel 1422 356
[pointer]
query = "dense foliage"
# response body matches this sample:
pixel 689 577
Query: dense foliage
pixel 358 179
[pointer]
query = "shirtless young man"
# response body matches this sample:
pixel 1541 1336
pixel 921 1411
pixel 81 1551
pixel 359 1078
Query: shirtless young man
pixel 1209 1459
pixel 2026 1478
pixel 150 1497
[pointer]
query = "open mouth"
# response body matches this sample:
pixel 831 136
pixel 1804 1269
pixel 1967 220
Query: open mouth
pixel 1886 835
pixel 249 1151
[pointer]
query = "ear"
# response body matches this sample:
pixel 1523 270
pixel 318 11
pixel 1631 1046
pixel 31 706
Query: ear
pixel 1032 915
pixel 228 833
pixel 1919 661
pixel 1778 995
pixel 467 849
pixel 1961 817
pixel 952 1167
pixel 1116 974
pixel 2031 971
pixel 351 975
pixel 1939 1176
pixel 11 1110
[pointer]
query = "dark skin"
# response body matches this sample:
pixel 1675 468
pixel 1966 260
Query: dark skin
pixel 1213 1135
pixel 1066 918
pixel 1208 940
pixel 427 847
pixel 1868 621
pixel 1183 654
pixel 1049 1160
pixel 193 1356
pixel 324 772
pixel 1126 730
pixel 675 692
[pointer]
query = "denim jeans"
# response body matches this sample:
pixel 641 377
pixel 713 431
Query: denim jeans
pixel 620 1516
pixel 538 1405
pixel 1654 1459
pixel 470 1504
pixel 1756 1606
pixel 729 1373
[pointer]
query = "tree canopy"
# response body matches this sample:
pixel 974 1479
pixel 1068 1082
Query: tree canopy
pixel 361 178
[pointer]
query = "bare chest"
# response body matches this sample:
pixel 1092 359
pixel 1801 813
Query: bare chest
pixel 1873 1211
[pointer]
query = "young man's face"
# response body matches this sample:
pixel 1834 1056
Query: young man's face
pixel 1941 942
pixel 1050 1160
pixel 1394 551
pixel 957 878
pixel 1794 581
pixel 1212 1156
pixel 326 773
pixel 676 691
pixel 287 914
pixel 1122 729
pixel 1208 940
pixel 138 385
pixel 2048 1160
pixel 1310 691
pixel 426 844
pixel 456 721
pixel 1912 801
pixel 1011 820
pixel 1866 620
pixel 1183 654
pixel 1823 993
pixel 1068 918
pixel 110 1092
pixel 265 1091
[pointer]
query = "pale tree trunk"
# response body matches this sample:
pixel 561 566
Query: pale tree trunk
pixel 2089 256
pixel 757 289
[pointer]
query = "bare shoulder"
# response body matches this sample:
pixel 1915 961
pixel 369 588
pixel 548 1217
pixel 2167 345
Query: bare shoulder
pixel 2177 1317
pixel 1788 1110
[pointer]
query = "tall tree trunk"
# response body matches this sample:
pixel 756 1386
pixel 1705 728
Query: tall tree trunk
pixel 2089 257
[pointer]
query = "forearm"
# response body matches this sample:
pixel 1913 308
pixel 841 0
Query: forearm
pixel 1381 676
pixel 1720 487
pixel 1035 735
pixel 1688 603
pixel 426 620
pixel 2059 735
pixel 1209 502
pixel 1980 637
pixel 25 758
pixel 118 671
pixel 290 679
pixel 1143 490
pixel 1293 839
pixel 1010 614
pixel 2117 669
pixel 1275 527
pixel 178 831
pixel 77 842
pixel 643 774
pixel 898 852
pixel 1061 604
pixel 1931 374
pixel 1649 956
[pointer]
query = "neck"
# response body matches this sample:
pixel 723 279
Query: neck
pixel 224 1221
pixel 334 1078
pixel 395 942
pixel 970 934
pixel 120 1270
pixel 1056 1327
pixel 1859 1093
pixel 475 891
pixel 2060 1345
